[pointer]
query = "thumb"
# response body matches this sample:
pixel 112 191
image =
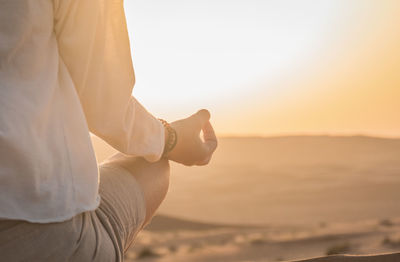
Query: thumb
pixel 201 117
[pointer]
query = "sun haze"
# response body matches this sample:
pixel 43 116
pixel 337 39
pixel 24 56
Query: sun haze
pixel 270 67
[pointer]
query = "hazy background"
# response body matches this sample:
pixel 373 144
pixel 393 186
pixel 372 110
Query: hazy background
pixel 270 67
pixel 299 87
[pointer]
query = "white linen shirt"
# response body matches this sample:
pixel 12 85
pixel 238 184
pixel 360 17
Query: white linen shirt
pixel 65 69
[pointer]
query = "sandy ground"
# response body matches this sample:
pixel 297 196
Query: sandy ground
pixel 300 197
pixel 245 244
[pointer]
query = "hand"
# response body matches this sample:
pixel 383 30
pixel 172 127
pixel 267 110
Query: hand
pixel 190 148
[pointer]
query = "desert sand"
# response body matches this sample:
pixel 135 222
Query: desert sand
pixel 277 199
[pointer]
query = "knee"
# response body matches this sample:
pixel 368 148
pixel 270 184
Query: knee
pixel 158 171
pixel 138 165
pixel 162 167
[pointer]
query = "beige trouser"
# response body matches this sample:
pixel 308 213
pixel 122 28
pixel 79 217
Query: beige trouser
pixel 100 235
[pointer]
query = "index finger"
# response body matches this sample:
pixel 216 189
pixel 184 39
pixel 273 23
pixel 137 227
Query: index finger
pixel 210 139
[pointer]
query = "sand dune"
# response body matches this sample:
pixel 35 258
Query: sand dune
pixel 288 180
pixel 308 196
pixel 240 244
pixel 291 180
pixel 163 223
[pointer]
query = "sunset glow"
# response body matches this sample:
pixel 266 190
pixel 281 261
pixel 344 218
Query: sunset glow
pixel 270 67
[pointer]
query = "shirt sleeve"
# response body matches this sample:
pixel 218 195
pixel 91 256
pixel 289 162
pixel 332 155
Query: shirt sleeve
pixel 94 45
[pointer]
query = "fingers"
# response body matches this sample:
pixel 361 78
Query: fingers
pixel 210 139
pixel 202 150
pixel 204 162
pixel 210 143
pixel 201 117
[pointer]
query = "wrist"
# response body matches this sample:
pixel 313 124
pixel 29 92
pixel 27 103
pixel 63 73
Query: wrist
pixel 165 136
pixel 170 139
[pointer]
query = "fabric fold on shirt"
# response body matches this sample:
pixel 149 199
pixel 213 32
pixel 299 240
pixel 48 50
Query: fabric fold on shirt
pixel 65 69
pixel 95 48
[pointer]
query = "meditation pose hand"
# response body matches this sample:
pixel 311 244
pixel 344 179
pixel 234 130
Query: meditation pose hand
pixel 190 148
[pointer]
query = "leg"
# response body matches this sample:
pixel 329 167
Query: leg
pixel 81 238
pixel 153 178
pixel 126 184
pixel 131 190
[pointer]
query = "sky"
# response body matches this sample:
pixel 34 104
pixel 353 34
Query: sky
pixel 270 67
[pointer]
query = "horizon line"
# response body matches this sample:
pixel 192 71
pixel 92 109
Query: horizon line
pixel 349 135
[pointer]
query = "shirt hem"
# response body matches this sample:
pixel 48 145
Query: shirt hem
pixel 56 219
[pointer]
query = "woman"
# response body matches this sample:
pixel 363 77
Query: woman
pixel 65 69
